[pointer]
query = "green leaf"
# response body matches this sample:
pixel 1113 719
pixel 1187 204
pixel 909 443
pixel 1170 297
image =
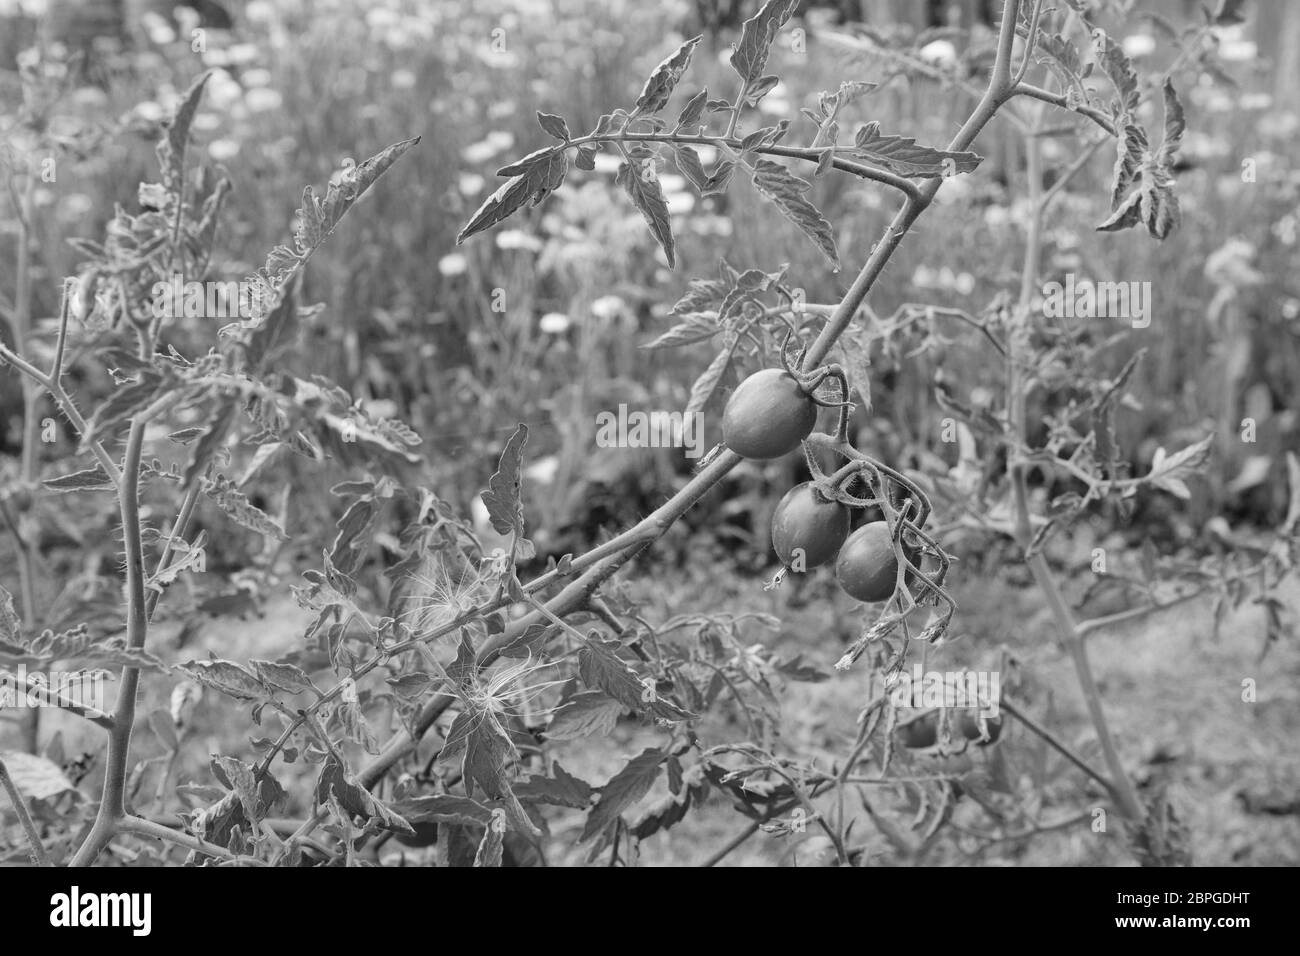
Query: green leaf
pixel 229 678
pixel 591 713
pixel 1175 124
pixel 444 808
pixel 688 163
pixel 285 677
pixel 502 498
pixel 642 186
pixel 700 294
pixel 692 111
pixel 239 509
pixel 554 125
pixel 904 156
pixel 709 379
pixel 1168 472
pixel 787 190
pixel 535 177
pixel 749 55
pixel 335 781
pixel 695 327
pixel 490 848
pixel 601 668
pixel 562 789
pixel 1119 70
pixel 663 80
pixel 1131 150
pixel 92 479
pixel 623 791
pixel 171 151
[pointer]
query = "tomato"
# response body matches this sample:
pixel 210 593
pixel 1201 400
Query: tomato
pixel 970 726
pixel 768 415
pixel 808 528
pixel 866 567
pixel 920 733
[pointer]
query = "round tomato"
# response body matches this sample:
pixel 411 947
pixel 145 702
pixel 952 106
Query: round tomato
pixel 866 567
pixel 768 415
pixel 808 528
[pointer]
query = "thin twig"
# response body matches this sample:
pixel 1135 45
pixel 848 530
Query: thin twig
pixel 38 854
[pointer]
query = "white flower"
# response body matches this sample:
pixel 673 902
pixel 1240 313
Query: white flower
pixel 223 150
pixel 402 79
pixel 1139 44
pixel 150 112
pixel 939 52
pixel 518 239
pixel 608 307
pixel 453 264
pixel 555 323
pixel 470 184
pixel 263 100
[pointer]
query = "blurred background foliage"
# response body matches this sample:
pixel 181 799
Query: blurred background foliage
pixel 302 87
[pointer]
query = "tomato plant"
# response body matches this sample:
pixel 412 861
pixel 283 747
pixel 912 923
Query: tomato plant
pixel 444 667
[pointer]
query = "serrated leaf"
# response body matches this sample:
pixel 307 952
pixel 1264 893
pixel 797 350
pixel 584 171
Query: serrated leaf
pixel 903 155
pixel 286 677
pixel 1168 472
pixel 642 187
pixel 590 713
pixel 336 782
pixel 171 151
pixel 1131 149
pixel 707 383
pixel 688 163
pixel 553 125
pixel 534 178
pixel 695 327
pixel 92 479
pixel 700 294
pixel 601 668
pixel 623 791
pixel 1126 215
pixel 229 678
pixel 238 508
pixel 693 110
pixel 502 498
pixel 444 808
pixel 37 778
pixel 787 191
pixel 1118 69
pixel 749 55
pixel 585 158
pixel 491 848
pixel 1175 124
pixel 561 789
pixel 664 78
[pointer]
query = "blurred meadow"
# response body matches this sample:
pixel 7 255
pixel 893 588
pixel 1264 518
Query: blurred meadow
pixel 302 89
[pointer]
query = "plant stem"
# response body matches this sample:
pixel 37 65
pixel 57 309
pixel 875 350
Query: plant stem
pixel 112 806
pixel 38 854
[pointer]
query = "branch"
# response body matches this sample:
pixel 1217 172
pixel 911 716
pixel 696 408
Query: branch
pixel 143 827
pixel 1058 99
pixel 48 695
pixel 38 854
